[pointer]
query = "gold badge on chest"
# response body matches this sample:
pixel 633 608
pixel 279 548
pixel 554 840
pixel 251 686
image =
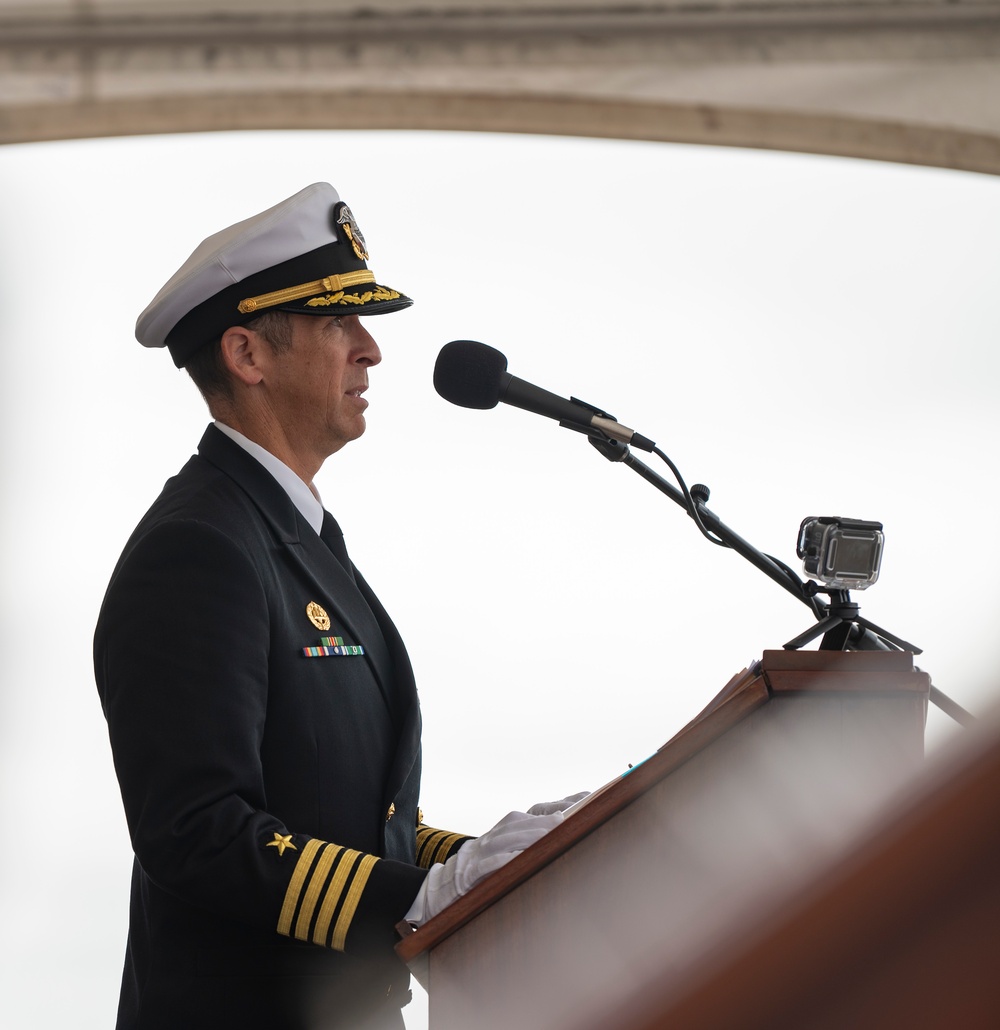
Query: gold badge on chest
pixel 317 615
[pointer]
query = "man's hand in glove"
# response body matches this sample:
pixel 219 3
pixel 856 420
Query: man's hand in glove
pixel 478 858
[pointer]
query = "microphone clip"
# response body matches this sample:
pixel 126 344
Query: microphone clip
pixel 597 435
pixel 603 426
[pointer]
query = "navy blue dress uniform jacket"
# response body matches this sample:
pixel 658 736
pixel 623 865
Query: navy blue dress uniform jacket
pixel 271 796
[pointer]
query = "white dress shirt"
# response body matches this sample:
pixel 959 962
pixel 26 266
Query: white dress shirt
pixel 304 497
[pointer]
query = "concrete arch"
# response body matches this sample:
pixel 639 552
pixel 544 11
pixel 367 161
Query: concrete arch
pixel 910 82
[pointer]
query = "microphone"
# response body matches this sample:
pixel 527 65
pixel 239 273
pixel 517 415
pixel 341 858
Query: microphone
pixel 474 375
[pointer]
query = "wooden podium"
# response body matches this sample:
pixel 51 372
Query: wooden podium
pixel 656 869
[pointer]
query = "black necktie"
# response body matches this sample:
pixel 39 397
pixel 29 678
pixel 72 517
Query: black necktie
pixel 333 537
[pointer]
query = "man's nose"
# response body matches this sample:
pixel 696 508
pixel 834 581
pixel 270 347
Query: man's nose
pixel 368 352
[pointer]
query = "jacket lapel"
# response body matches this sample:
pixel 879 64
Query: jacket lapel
pixel 401 780
pixel 334 584
pixel 339 590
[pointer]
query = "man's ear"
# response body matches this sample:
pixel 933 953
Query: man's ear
pixel 242 353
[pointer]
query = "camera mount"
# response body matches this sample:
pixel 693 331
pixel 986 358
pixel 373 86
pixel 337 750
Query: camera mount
pixel 843 628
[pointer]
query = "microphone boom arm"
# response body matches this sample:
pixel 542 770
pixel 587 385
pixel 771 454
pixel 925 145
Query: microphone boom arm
pixel 782 575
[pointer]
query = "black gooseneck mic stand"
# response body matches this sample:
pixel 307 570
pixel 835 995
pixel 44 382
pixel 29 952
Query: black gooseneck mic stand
pixel 839 622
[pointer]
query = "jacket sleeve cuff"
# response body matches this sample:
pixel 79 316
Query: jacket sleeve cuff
pixel 344 899
pixel 437 845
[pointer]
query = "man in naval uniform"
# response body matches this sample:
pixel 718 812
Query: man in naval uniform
pixel 261 706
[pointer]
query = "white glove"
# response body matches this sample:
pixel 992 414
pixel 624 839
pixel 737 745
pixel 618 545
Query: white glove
pixel 476 859
pixel 545 807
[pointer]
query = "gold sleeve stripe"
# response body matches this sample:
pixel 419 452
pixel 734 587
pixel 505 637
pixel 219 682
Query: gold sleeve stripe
pixel 441 851
pixel 424 837
pixel 433 845
pixel 365 867
pixel 332 895
pixel 316 882
pixel 426 842
pixel 328 876
pixel 295 886
pixel 329 284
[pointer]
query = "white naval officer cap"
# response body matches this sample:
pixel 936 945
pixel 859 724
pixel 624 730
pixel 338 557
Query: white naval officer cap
pixel 305 255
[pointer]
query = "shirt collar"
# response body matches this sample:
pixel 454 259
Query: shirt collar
pixel 304 497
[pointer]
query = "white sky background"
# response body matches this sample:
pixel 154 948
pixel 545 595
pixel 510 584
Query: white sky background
pixel 805 335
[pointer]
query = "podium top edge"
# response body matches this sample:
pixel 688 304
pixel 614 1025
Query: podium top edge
pixel 826 661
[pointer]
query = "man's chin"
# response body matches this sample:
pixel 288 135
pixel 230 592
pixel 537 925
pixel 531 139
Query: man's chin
pixel 355 428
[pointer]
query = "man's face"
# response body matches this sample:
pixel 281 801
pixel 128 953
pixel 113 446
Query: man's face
pixel 316 385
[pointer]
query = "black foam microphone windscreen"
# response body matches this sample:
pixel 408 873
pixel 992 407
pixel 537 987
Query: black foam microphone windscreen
pixel 470 374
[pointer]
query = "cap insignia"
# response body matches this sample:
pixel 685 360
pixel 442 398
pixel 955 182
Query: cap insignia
pixel 346 218
pixel 317 615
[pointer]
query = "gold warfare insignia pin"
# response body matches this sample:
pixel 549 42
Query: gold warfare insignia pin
pixel 346 219
pixel 317 615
